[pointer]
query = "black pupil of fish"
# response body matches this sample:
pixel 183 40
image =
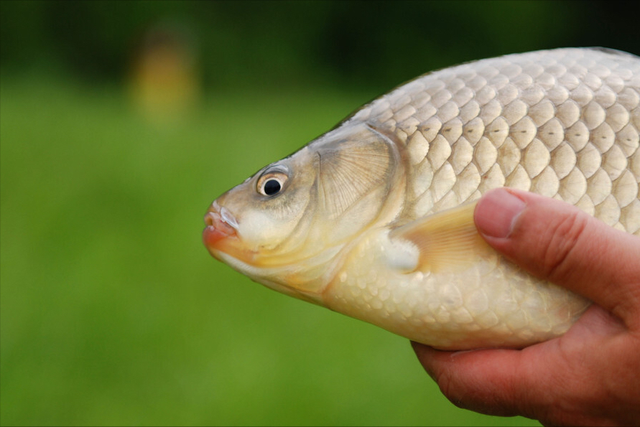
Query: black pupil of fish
pixel 272 187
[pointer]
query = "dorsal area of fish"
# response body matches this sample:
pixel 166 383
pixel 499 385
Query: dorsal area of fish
pixel 562 123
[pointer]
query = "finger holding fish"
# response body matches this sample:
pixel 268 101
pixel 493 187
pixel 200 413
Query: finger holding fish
pixel 587 376
pixel 557 238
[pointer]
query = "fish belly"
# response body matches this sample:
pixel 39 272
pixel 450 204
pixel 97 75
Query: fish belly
pixel 490 303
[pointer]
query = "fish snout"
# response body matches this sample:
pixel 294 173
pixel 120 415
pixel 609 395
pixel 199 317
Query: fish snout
pixel 220 225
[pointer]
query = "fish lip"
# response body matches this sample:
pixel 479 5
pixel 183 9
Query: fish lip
pixel 220 225
pixel 217 214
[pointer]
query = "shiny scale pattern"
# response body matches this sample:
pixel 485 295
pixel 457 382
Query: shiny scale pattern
pixel 561 123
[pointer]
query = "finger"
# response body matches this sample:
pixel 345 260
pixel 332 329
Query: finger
pixel 479 380
pixel 558 242
pixel 547 381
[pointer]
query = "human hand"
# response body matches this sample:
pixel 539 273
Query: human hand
pixel 591 374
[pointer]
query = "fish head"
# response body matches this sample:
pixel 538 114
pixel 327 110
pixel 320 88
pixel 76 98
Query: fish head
pixel 286 226
pixel 251 221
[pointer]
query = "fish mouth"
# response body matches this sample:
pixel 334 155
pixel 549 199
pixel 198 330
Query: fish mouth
pixel 221 226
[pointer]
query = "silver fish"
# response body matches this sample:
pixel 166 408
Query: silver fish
pixel 374 219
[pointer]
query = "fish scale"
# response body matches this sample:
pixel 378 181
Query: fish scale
pixel 576 142
pixel 374 219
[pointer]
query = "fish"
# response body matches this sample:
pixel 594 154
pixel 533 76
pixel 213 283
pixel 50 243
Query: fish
pixel 374 219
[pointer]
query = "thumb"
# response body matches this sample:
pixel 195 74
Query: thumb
pixel 556 241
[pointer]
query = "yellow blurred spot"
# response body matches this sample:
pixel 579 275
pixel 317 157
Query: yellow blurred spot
pixel 164 82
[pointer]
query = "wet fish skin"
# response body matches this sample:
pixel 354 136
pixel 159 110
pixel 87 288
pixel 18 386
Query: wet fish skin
pixel 384 230
pixel 561 123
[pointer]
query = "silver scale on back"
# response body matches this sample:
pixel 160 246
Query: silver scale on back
pixel 561 123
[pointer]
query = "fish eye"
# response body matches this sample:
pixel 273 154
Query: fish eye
pixel 271 187
pixel 271 183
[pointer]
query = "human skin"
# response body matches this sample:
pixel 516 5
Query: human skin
pixel 591 374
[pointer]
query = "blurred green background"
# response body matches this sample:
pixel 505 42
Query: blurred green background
pixel 120 122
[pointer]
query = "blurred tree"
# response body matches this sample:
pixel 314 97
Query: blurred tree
pixel 358 42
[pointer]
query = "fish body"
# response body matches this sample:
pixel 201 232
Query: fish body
pixel 374 219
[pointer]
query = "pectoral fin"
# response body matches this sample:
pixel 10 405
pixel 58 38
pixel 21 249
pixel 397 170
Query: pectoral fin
pixel 446 240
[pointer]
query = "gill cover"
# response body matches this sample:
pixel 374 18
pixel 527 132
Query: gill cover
pixel 351 167
pixel 359 181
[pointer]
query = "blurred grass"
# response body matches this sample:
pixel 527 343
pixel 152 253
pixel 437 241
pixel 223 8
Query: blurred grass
pixel 113 313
